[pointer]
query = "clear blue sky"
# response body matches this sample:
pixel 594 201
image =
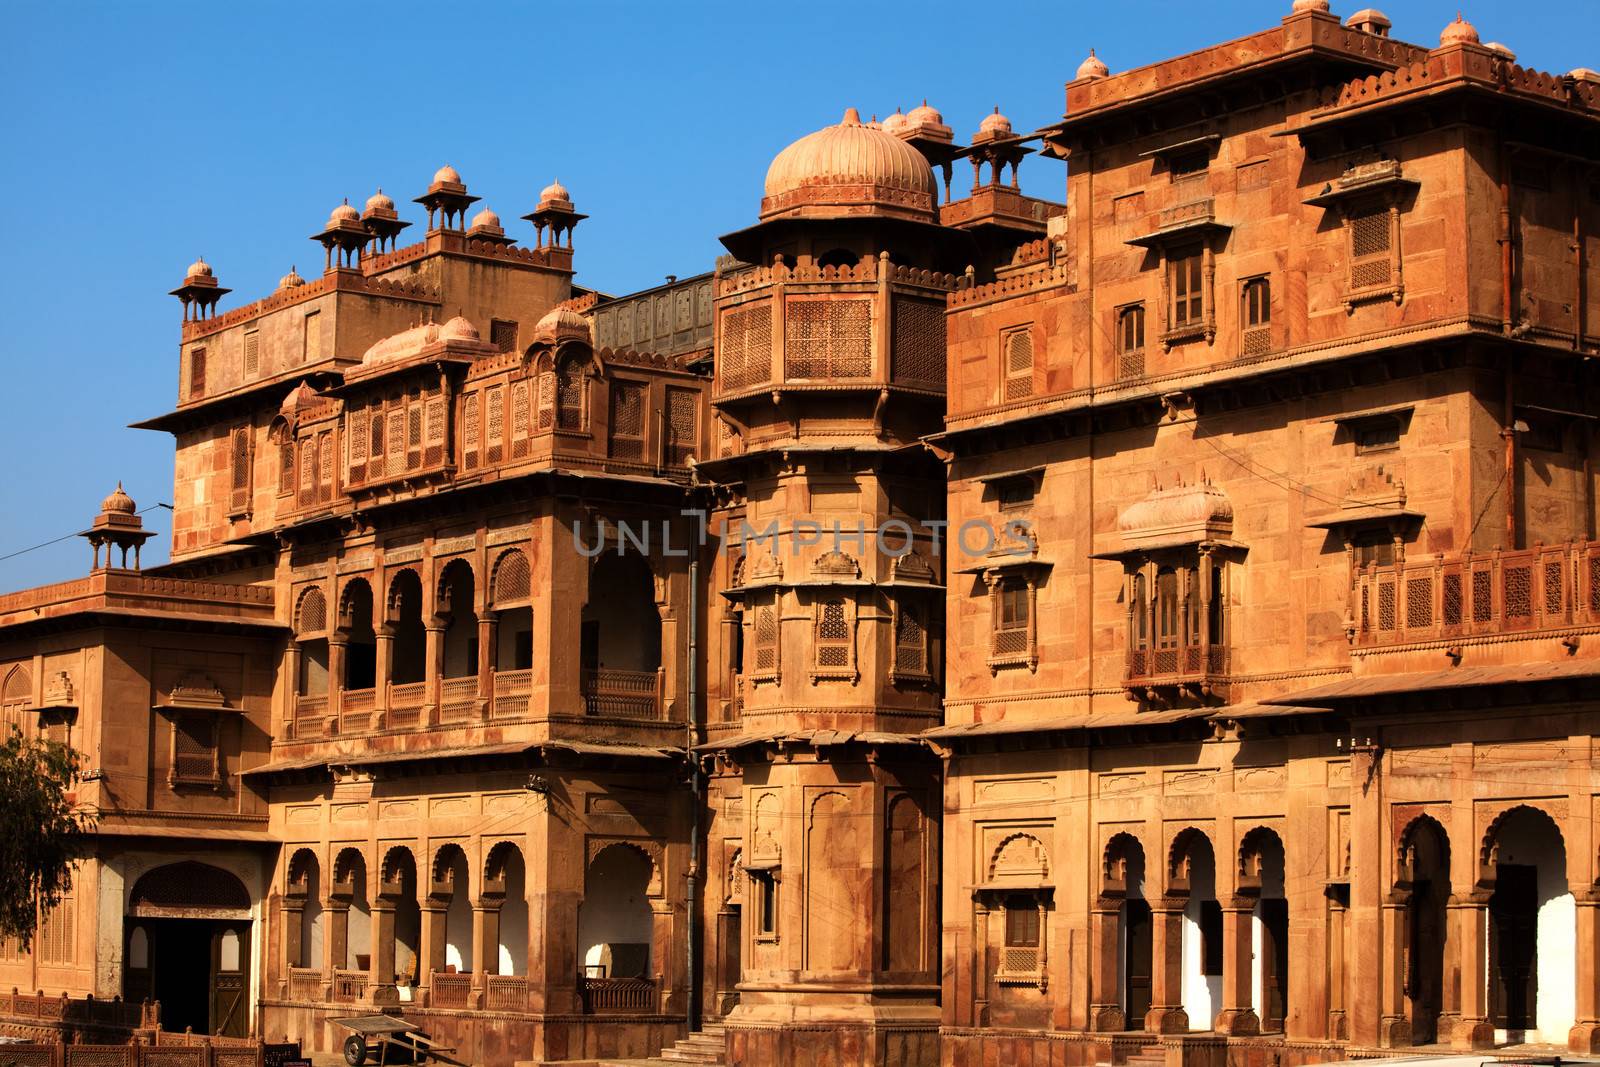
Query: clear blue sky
pixel 139 136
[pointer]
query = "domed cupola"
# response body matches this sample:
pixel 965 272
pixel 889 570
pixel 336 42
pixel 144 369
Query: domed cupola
pixel 199 291
pixel 486 227
pixel 343 238
pixel 562 324
pixel 1183 514
pixel 851 169
pixel 382 220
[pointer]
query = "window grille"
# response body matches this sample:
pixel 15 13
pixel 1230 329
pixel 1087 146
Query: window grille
pixel 828 338
pixel 194 748
pixel 917 353
pixel 910 641
pixel 832 636
pixel 252 353
pixel 197 373
pixel 503 335
pixel 1130 342
pixel 627 419
pixel 683 418
pixel 1188 304
pixel 1019 364
pixel 745 358
pixel 1370 248
pixel 494 417
pixel 1256 317
pixel 569 394
pixel 469 430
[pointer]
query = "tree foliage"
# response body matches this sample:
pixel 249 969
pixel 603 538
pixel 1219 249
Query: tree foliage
pixel 41 833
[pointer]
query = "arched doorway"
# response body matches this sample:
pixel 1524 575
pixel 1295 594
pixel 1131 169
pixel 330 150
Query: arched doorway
pixel 1192 865
pixel 185 920
pixel 1532 929
pixel 505 878
pixel 614 920
pixel 1425 879
pixel 1261 875
pixel 1125 874
pixel 620 640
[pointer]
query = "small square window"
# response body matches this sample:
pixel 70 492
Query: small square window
pixel 1016 492
pixel 1541 431
pixel 1377 435
pixel 1188 163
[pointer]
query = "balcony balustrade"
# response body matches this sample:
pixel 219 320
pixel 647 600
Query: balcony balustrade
pixel 601 995
pixel 355 710
pixel 618 694
pixel 1544 588
pixel 405 704
pixel 1186 665
pixel 511 693
pixel 349 986
pixel 505 992
pixel 458 699
pixel 305 984
pixel 450 990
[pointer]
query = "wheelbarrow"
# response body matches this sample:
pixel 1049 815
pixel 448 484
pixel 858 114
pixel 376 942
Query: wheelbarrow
pixel 390 1040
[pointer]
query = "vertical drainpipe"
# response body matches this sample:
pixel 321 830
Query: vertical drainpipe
pixel 692 1000
pixel 1507 327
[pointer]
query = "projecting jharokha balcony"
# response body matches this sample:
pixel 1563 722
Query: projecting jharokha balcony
pixel 618 694
pixel 1540 589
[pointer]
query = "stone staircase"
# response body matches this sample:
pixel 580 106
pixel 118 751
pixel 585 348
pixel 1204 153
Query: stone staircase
pixel 704 1046
pixel 1148 1056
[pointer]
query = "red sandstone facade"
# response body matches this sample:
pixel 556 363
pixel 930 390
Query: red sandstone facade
pixel 1157 622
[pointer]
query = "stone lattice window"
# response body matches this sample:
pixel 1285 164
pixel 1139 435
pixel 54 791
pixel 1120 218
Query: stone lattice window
pixel 397 436
pixel 1017 346
pixel 494 417
pixel 917 352
pixel 828 338
pixel 744 359
pixel 1373 267
pixel 569 394
pixel 308 472
pixel 197 373
pixel 324 467
pixel 413 413
pixel 833 640
pixel 239 460
pixel 375 451
pixel 627 420
pixel 1130 342
pixel 194 748
pixel 683 425
pixel 910 642
pixel 503 334
pixel 57 936
pixel 511 577
pixel 521 420
pixel 433 450
pixel 469 430
pixel 252 353
pixel 1012 639
pixel 766 644
pixel 1255 317
pixel 285 467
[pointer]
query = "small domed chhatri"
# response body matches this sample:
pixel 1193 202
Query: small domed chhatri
pixel 1370 20
pixel 1502 50
pixel 896 123
pixel 1302 6
pixel 292 280
pixel 198 269
pixel 458 329
pixel 1093 67
pixel 1458 32
pixel 447 175
pixel 850 166
pixel 486 227
pixel 119 502
pixel 378 203
pixel 343 213
pixel 555 193
pixel 995 125
pixel 562 324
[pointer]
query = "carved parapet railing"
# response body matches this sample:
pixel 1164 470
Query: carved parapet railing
pixel 1187 666
pixel 618 694
pixel 84 1011
pixel 305 983
pixel 505 992
pixel 309 715
pixel 1544 588
pixel 349 986
pixel 458 699
pixel 449 990
pixel 617 994
pixel 511 690
pixel 355 710
pixel 405 704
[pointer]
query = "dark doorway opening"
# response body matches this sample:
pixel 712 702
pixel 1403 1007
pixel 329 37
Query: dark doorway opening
pixel 1136 925
pixel 1274 963
pixel 1514 947
pixel 198 969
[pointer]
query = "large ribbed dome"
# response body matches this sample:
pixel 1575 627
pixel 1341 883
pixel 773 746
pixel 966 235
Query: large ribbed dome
pixel 851 169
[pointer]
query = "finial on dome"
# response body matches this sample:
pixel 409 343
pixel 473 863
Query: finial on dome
pixel 1093 67
pixel 1459 32
pixel 119 502
pixel 852 117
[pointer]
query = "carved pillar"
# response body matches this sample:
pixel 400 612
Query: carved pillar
pixel 1474 1031
pixel 383 652
pixel 1584 1038
pixel 488 630
pixel 485 946
pixel 291 656
pixel 1394 1029
pixel 1338 1028
pixel 1238 1014
pixel 380 978
pixel 980 953
pixel 291 917
pixel 338 645
pixel 662 961
pixel 336 947
pixel 431 948
pixel 1105 929
pixel 434 658
pixel 1166 1015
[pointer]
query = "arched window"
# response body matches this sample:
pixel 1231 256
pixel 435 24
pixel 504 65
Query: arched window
pixel 1018 352
pixel 838 257
pixel 569 393
pixel 1130 341
pixel 1255 316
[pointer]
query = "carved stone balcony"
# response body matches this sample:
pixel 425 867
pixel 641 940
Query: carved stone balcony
pixel 511 691
pixel 617 694
pixel 1198 668
pixel 1544 589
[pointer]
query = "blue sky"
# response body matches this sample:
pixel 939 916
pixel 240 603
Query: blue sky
pixel 139 136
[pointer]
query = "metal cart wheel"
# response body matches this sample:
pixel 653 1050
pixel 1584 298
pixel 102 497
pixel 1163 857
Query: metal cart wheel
pixel 355 1050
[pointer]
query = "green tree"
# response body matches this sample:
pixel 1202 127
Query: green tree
pixel 41 833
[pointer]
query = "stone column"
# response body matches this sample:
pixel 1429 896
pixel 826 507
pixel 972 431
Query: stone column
pixel 980 952
pixel 383 653
pixel 380 980
pixel 1394 1027
pixel 1105 1011
pixel 434 671
pixel 336 947
pixel 431 947
pixel 488 630
pixel 1474 1031
pixel 1238 1015
pixel 337 645
pixel 485 946
pixel 291 917
pixel 1166 1015
pixel 662 964
pixel 1584 1038
pixel 291 654
pixel 1338 1028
